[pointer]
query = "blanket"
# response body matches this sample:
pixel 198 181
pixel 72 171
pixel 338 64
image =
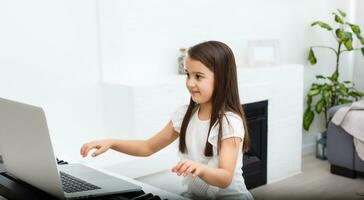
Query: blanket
pixel 351 119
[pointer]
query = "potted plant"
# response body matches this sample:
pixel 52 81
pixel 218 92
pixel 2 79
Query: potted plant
pixel 330 90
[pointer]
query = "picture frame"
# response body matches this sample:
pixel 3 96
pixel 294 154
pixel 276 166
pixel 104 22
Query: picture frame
pixel 263 53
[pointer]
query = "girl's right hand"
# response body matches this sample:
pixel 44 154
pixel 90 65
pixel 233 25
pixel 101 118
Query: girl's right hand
pixel 101 146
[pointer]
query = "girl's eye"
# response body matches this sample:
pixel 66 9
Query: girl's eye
pixel 198 76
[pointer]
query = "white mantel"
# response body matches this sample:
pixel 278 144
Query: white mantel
pixel 137 110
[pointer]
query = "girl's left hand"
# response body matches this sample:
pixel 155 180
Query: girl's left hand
pixel 186 167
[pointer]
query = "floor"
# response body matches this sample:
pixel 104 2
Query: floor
pixel 315 182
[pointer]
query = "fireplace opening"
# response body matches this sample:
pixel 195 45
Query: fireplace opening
pixel 255 160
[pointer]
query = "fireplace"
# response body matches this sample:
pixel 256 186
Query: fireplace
pixel 255 160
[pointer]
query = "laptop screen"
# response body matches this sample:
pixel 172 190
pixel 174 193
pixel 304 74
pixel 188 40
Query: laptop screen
pixel 26 146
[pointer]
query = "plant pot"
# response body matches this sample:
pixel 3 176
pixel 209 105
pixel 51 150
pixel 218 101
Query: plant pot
pixel 321 146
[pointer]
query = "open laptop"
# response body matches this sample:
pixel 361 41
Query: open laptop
pixel 28 155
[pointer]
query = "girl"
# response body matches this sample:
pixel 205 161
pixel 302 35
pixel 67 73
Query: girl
pixel 212 129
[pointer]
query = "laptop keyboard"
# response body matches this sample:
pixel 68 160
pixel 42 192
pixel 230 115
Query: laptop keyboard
pixel 72 184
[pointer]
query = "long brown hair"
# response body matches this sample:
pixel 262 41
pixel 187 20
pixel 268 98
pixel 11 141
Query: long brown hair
pixel 219 58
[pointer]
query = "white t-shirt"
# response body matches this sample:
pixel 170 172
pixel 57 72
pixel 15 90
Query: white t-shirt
pixel 196 135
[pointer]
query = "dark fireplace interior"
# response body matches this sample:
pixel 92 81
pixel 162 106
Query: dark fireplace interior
pixel 255 160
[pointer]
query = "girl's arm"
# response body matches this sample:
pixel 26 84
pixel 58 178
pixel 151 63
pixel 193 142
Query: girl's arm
pixel 134 147
pixel 221 176
pixel 147 147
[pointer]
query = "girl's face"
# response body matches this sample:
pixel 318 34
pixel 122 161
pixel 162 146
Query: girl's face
pixel 199 81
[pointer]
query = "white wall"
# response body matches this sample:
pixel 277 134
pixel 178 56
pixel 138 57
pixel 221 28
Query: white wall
pixel 359 58
pixel 140 39
pixel 49 57
pixel 146 36
pixel 51 52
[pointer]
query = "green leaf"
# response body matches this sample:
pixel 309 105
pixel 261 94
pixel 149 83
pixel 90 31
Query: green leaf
pixel 309 100
pixel 344 101
pixel 343 14
pixel 354 28
pixel 320 77
pixel 313 92
pixel 315 86
pixel 362 51
pixel 311 57
pixel 339 33
pixel 347 36
pixel 359 94
pixel 347 81
pixel 326 87
pixel 341 85
pixel 360 38
pixel 343 36
pixel 349 44
pixel 330 97
pixel 338 19
pixel 308 117
pixel 343 90
pixel 320 104
pixel 326 94
pixel 334 76
pixel 355 94
pixel 322 25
